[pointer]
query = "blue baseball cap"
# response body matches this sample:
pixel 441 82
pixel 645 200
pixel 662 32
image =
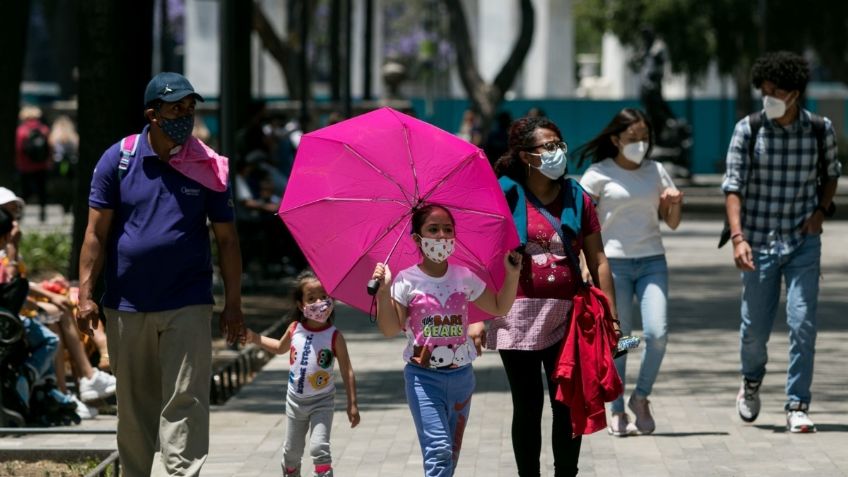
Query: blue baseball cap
pixel 169 87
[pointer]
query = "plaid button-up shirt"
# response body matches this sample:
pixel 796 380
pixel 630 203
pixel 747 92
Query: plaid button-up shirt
pixel 778 187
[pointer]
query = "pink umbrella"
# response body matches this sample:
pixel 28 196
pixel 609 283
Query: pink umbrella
pixel 355 185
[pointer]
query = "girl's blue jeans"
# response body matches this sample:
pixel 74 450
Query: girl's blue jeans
pixel 800 269
pixel 440 402
pixel 646 279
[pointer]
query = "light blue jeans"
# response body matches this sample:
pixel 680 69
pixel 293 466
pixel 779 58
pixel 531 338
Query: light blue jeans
pixel 760 296
pixel 646 279
pixel 440 402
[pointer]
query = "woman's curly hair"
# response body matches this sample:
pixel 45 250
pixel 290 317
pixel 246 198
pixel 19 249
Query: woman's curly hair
pixel 787 70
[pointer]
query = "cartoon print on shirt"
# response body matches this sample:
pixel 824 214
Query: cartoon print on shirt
pixel 544 252
pixel 325 358
pixel 441 356
pixel 462 355
pixel 292 355
pixel 319 379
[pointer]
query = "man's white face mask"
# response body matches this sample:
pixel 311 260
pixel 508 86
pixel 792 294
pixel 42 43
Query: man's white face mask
pixel 774 107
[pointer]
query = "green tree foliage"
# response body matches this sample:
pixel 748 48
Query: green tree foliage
pixel 732 32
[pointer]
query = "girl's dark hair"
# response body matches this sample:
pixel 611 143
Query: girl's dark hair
pixel 521 139
pixel 6 222
pixel 787 70
pixel 420 215
pixel 300 282
pixel 601 147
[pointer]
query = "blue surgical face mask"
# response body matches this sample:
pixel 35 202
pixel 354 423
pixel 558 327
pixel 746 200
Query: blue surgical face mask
pixel 178 129
pixel 553 163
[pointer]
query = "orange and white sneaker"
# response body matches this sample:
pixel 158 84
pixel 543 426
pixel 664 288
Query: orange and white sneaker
pixel 799 422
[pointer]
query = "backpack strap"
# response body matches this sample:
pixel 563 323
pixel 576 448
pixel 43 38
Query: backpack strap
pixel 817 122
pixel 755 120
pixel 129 145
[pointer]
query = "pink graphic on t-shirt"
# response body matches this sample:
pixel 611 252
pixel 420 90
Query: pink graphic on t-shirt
pixel 434 324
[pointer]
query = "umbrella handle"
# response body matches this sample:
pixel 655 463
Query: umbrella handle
pixel 373 286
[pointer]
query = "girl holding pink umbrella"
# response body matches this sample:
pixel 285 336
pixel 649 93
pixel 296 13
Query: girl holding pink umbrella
pixel 429 303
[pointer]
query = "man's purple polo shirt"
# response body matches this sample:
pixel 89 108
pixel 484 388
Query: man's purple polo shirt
pixel 158 253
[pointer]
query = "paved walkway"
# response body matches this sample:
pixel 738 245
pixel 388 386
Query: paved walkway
pixel 698 432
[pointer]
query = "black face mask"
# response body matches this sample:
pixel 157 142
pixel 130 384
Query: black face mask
pixel 178 129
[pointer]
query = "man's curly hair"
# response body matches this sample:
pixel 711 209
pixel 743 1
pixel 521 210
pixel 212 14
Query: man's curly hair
pixel 787 70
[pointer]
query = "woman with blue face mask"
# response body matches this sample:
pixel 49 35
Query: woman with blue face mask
pixel 633 193
pixel 529 338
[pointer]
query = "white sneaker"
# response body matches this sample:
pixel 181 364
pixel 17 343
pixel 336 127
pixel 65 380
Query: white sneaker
pixel 748 400
pixel 83 410
pixel 620 425
pixel 799 422
pixel 100 385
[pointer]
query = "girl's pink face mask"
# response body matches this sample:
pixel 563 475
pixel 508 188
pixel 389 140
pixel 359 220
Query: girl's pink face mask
pixel 319 311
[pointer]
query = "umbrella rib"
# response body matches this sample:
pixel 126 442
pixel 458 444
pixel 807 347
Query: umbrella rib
pixel 476 258
pixel 376 169
pixel 343 199
pixel 473 211
pixel 365 252
pixel 447 175
pixel 411 159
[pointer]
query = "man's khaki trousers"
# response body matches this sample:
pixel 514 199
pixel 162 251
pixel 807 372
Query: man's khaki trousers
pixel 162 362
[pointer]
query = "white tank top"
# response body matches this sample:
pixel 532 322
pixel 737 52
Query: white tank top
pixel 311 357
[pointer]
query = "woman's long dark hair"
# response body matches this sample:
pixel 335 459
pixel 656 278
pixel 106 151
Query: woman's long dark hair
pixel 601 147
pixel 521 139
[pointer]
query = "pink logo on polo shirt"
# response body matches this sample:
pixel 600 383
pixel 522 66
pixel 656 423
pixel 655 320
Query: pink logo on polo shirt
pixel 436 324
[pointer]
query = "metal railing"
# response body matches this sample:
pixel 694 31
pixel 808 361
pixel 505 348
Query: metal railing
pixel 113 463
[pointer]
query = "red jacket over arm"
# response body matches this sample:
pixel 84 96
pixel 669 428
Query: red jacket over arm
pixel 585 375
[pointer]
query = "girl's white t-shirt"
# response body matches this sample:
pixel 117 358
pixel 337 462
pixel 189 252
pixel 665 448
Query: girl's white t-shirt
pixel 437 315
pixel 628 206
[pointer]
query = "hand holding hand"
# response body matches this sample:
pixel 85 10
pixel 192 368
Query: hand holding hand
pixel 232 324
pixel 251 337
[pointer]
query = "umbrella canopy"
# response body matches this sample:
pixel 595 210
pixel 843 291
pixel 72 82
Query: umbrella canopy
pixel 355 184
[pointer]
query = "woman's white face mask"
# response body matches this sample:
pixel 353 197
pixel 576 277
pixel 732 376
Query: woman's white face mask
pixel 635 151
pixel 553 164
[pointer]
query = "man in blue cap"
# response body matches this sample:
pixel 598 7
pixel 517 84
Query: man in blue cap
pixel 147 224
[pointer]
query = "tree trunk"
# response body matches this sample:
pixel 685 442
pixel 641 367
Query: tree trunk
pixel 742 78
pixel 11 73
pixel 114 69
pixel 486 97
pixel 285 52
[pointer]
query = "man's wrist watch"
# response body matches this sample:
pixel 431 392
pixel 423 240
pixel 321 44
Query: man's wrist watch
pixel 827 211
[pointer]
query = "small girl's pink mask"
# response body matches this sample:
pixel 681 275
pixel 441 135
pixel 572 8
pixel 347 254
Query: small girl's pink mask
pixel 319 311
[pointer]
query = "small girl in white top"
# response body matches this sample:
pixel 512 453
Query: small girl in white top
pixel 429 303
pixel 632 194
pixel 313 344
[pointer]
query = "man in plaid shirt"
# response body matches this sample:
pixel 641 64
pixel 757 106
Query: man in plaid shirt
pixel 775 215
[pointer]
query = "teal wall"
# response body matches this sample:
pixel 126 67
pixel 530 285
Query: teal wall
pixel 712 121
